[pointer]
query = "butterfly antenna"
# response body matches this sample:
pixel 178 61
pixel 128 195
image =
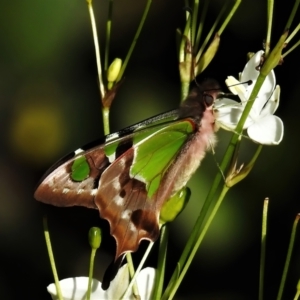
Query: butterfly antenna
pixel 249 82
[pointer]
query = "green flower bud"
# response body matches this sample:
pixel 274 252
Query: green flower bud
pixel 175 205
pixel 114 70
pixel 209 54
pixel 95 237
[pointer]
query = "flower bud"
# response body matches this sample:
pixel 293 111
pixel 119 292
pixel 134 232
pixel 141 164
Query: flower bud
pixel 209 54
pixel 114 70
pixel 175 205
pixel 95 237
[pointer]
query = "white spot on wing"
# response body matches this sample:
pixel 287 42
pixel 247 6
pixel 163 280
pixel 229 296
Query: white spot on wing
pixel 94 192
pixel 125 214
pixel 118 200
pixel 65 190
pixel 79 150
pixel 111 158
pixel 116 184
pixel 132 227
pixel 112 137
pixel 80 191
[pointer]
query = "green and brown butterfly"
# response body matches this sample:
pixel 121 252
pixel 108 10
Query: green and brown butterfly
pixel 130 174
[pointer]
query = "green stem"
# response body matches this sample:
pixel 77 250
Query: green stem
pixel 209 35
pixel 229 16
pixel 198 242
pixel 291 49
pixel 185 86
pixel 105 114
pixel 263 249
pixel 161 264
pixel 292 15
pixel 97 48
pixel 108 33
pixel 91 270
pixel 124 65
pixel 288 258
pixel 125 296
pixel 194 21
pixel 51 258
pixel 201 24
pixel 131 273
pixel 269 25
pixel 297 295
pixel 298 291
pixel 292 34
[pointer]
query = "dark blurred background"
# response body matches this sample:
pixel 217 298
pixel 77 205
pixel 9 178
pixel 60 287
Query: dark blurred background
pixel 49 106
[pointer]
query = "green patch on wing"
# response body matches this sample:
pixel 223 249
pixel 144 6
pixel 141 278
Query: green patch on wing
pixel 80 169
pixel 110 148
pixel 155 152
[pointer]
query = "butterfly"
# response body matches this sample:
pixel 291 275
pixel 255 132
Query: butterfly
pixel 130 174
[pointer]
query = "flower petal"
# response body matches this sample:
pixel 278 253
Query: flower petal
pixel 145 282
pixel 236 87
pixel 228 113
pixel 119 285
pixel 75 289
pixel 273 103
pixel 250 72
pixel 267 130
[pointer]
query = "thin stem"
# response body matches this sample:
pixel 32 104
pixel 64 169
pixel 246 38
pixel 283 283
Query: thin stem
pixel 298 291
pixel 291 49
pixel 198 242
pixel 184 41
pixel 97 48
pixel 125 296
pixel 105 114
pixel 292 34
pixel 297 295
pixel 108 33
pixel 51 258
pixel 269 25
pixel 291 18
pixel 194 21
pixel 161 264
pixel 91 270
pixel 263 249
pixel 131 273
pixel 288 258
pixel 229 16
pixel 201 24
pixel 209 35
pixel 124 65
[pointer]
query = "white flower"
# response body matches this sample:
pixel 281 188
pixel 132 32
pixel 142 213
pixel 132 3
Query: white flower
pixel 262 126
pixel 76 288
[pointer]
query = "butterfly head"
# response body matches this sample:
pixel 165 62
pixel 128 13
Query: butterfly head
pixel 200 98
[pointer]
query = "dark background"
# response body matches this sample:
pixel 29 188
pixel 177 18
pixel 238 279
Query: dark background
pixel 49 106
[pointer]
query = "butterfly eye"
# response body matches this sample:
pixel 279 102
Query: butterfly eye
pixel 208 99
